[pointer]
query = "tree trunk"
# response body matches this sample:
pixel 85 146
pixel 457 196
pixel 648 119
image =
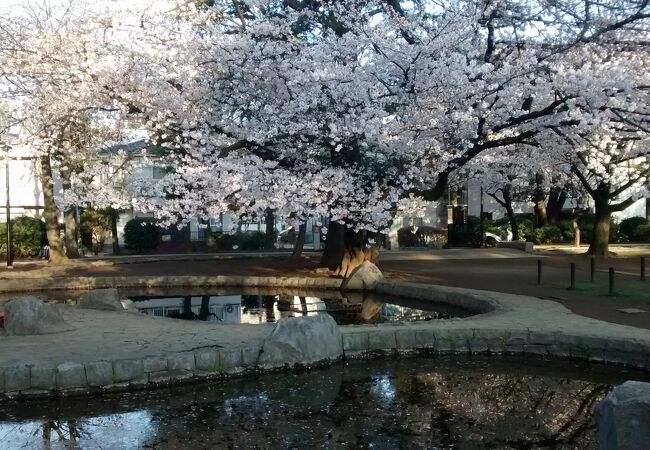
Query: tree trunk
pixel 204 312
pixel 512 219
pixel 346 249
pixel 269 237
pixel 539 199
pixel 333 252
pixel 300 241
pixel 114 234
pixel 556 199
pixel 647 209
pixel 71 233
pixel 600 238
pixel 70 226
pixel 51 213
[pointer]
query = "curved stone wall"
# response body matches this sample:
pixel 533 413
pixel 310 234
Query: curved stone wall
pixel 152 351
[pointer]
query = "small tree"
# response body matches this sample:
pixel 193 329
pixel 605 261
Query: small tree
pixel 141 234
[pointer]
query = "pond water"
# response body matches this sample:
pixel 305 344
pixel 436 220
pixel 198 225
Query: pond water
pixel 255 306
pixel 264 308
pixel 413 403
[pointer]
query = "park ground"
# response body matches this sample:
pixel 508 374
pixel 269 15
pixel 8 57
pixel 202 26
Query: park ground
pixel 500 270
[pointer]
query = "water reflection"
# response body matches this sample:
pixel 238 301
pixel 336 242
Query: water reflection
pixel 419 403
pixel 265 308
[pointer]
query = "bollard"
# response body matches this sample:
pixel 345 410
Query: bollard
pixel 539 271
pixel 642 268
pixel 611 281
pixel 592 268
pixel 573 276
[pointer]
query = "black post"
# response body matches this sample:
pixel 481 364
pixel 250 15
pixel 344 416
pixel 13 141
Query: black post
pixel 611 281
pixel 8 212
pixel 573 276
pixel 642 268
pixel 482 221
pixel 592 268
pixel 539 272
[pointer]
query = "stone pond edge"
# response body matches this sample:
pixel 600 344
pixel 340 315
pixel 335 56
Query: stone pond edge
pixel 477 335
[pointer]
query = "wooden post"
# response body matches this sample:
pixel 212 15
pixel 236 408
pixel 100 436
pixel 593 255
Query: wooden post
pixel 539 272
pixel 592 268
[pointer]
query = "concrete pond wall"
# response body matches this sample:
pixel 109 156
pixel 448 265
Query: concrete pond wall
pixel 116 351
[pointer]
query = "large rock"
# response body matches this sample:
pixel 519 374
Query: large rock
pixel 302 341
pixel 623 417
pixel 364 278
pixel 28 315
pixel 103 299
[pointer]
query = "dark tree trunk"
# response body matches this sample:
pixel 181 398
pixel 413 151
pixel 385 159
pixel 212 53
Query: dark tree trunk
pixel 512 219
pixel 334 245
pixel 269 237
pixel 647 209
pixel 303 305
pixel 51 213
pixel 70 226
pixel 556 199
pixel 348 250
pixel 600 238
pixel 300 241
pixel 114 234
pixel 539 199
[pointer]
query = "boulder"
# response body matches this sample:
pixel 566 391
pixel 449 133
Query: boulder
pixel 364 278
pixel 129 305
pixel 302 341
pixel 28 315
pixel 623 417
pixel 103 299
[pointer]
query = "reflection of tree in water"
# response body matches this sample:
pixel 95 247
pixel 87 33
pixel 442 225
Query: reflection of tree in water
pixel 416 411
pixel 61 429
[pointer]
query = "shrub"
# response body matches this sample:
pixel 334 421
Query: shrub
pixel 28 237
pixel 566 227
pixel 94 225
pixel 141 234
pixel 641 233
pixel 422 237
pixel 629 225
pixel 547 235
pixel 251 241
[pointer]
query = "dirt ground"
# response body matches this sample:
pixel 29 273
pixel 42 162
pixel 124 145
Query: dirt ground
pixel 504 274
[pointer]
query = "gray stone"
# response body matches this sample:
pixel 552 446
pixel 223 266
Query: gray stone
pixel 70 375
pixel 28 315
pixel 42 377
pixel 250 356
pixel 99 373
pixel 207 360
pixel 181 361
pixel 623 417
pixel 230 359
pixel 127 369
pixel 365 277
pixel 16 378
pixel 155 364
pixel 302 340
pixel 103 299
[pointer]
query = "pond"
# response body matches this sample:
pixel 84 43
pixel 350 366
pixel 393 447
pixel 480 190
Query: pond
pixel 412 403
pixel 255 306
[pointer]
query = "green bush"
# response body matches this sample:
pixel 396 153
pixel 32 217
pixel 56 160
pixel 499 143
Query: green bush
pixel 566 227
pixel 28 237
pixel 251 240
pixel 421 238
pixel 629 225
pixel 547 235
pixel 94 225
pixel 641 233
pixel 141 234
